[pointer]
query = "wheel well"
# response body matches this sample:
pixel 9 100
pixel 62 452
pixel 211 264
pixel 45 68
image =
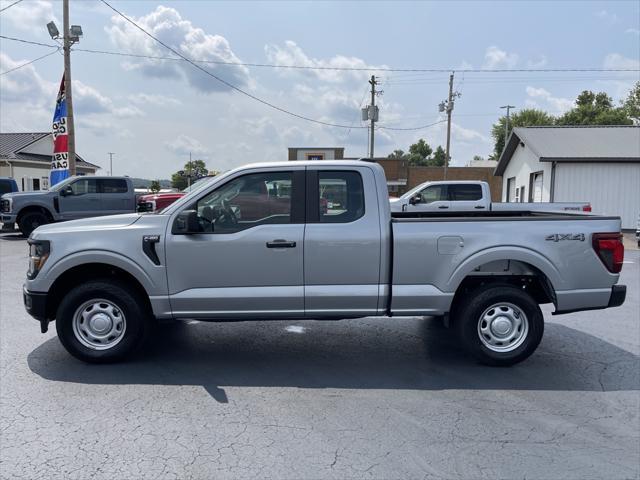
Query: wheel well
pixel 519 274
pixel 91 271
pixel 33 209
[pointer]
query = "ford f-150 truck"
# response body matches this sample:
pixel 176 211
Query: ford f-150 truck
pixel 73 198
pixel 466 195
pixel 213 256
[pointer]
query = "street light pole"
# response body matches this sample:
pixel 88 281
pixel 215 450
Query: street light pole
pixel 111 154
pixel 71 132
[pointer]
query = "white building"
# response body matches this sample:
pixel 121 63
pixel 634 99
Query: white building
pixel 27 158
pixel 597 164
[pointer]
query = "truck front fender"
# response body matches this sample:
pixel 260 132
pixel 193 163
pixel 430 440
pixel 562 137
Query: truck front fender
pixel 508 252
pixel 152 286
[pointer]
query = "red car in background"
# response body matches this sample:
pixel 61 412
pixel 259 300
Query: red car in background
pixel 153 202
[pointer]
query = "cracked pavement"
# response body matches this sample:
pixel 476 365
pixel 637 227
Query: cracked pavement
pixel 366 398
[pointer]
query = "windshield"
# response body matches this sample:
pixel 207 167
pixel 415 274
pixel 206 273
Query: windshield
pixel 59 186
pixel 193 185
pixel 196 186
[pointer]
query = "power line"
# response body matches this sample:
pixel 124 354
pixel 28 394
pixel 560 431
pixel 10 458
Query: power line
pixel 29 63
pixel 421 127
pixel 30 42
pixel 224 82
pixel 9 6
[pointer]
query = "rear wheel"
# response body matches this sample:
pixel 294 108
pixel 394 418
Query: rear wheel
pixel 500 325
pixel 101 321
pixel 30 221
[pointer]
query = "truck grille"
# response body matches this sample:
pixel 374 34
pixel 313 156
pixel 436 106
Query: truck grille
pixel 4 206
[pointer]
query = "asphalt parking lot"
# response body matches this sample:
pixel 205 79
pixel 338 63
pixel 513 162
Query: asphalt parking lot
pixel 367 398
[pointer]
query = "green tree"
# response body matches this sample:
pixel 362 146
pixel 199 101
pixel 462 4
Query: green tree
pixel 529 117
pixel 420 153
pixel 438 157
pixel 398 155
pixel 595 109
pixel 194 169
pixel 154 187
pixel 632 103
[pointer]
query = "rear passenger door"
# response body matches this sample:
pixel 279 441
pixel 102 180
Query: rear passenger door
pixel 466 197
pixel 115 196
pixel 341 243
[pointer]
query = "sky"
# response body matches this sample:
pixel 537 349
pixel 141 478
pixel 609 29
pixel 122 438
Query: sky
pixel 153 113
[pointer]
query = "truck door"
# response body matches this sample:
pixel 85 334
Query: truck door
pixel 244 260
pixel 341 243
pixel 432 198
pixel 80 199
pixel 466 197
pixel 115 196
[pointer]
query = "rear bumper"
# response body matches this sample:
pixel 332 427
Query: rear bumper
pixel 581 300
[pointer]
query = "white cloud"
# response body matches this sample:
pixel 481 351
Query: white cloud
pixel 615 60
pixel 154 99
pixel 606 16
pixel 467 135
pixel 539 62
pixel 557 105
pixel 496 58
pixel 184 144
pixel 31 16
pixel 633 31
pixel 292 54
pixel 168 25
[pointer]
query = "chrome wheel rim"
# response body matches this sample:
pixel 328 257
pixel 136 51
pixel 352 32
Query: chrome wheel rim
pixel 99 324
pixel 503 327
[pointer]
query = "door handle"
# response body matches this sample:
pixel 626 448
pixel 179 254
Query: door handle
pixel 443 206
pixel 279 243
pixel 479 207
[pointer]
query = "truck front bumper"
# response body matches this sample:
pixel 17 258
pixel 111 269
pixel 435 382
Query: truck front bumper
pixel 591 299
pixel 35 303
pixel 8 218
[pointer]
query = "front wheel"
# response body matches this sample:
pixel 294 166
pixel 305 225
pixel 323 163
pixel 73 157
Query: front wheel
pixel 30 221
pixel 101 321
pixel 500 325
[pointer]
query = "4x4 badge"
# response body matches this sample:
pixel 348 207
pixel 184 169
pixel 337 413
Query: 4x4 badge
pixel 556 237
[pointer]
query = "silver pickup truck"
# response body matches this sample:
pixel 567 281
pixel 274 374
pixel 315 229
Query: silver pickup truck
pixel 317 240
pixel 71 199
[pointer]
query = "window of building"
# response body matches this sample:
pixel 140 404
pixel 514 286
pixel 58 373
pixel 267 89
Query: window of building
pixel 511 189
pixel 535 187
pixel 36 183
pixel 247 201
pixel 341 196
pixel 113 185
pixel 44 182
pixel 465 192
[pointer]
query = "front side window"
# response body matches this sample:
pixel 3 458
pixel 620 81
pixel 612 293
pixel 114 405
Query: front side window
pixel 84 186
pixel 113 185
pixel 434 193
pixel 245 202
pixel 341 196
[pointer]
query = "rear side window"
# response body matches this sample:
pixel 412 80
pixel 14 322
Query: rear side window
pixel 466 192
pixel 113 185
pixel 341 196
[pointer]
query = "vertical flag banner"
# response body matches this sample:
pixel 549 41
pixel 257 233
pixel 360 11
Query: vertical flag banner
pixel 60 160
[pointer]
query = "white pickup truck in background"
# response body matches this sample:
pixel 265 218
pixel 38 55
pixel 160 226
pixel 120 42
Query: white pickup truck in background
pixel 467 195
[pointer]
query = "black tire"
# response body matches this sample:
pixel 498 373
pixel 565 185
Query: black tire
pixel 30 221
pixel 468 317
pixel 129 305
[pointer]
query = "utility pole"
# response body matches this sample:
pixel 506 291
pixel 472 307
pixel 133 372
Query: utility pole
pixel 372 114
pixel 448 107
pixel 71 131
pixel 190 172
pixel 506 125
pixel 111 154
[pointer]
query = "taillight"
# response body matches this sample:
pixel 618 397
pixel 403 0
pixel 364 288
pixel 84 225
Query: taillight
pixel 610 250
pixel 586 208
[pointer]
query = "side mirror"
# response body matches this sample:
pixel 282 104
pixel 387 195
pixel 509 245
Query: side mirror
pixel 66 191
pixel 186 223
pixel 417 198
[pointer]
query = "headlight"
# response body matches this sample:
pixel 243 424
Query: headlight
pixel 5 205
pixel 38 254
